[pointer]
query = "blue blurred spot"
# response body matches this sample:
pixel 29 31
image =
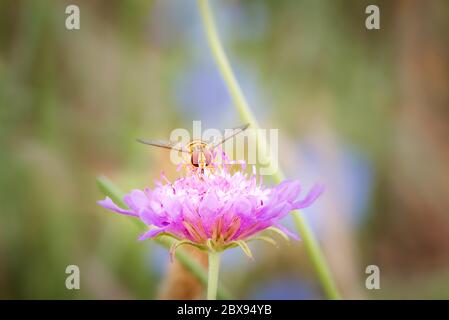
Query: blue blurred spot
pixel 158 258
pixel 287 288
pixel 351 185
pixel 200 93
pixel 175 23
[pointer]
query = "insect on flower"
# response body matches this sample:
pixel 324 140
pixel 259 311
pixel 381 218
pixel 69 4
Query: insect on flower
pixel 215 212
pixel 201 153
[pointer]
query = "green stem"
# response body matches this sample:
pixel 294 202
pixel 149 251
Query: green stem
pixel 309 240
pixel 223 64
pixel 316 256
pixel 112 191
pixel 214 268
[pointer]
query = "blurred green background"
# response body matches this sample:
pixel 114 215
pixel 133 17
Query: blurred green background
pixel 365 112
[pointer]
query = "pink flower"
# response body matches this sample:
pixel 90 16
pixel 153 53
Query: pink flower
pixel 216 211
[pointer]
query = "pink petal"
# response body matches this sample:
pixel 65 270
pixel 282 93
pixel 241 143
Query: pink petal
pixel 109 204
pixel 137 200
pixel 313 194
pixel 151 233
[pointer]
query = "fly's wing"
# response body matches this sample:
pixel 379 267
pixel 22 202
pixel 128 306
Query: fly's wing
pixel 236 130
pixel 164 144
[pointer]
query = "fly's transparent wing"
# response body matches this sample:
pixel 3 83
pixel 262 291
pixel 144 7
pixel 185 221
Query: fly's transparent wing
pixel 236 131
pixel 164 144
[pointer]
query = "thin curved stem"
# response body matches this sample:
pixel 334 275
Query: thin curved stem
pixel 214 269
pixel 224 66
pixel 313 250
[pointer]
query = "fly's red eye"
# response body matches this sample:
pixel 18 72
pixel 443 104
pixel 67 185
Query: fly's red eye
pixel 194 159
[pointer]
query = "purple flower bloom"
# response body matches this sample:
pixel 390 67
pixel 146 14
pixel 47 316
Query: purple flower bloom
pixel 218 210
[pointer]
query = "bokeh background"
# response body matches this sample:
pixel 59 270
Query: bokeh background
pixel 364 112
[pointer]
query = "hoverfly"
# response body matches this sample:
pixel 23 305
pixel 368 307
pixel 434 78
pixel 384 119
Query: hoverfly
pixel 201 153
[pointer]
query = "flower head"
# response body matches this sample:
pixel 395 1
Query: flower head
pixel 214 211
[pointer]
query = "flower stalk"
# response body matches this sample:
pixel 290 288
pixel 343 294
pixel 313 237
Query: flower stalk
pixel 310 242
pixel 214 268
